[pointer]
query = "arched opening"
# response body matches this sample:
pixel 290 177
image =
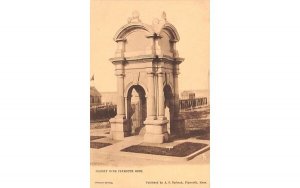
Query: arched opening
pixel 136 109
pixel 169 106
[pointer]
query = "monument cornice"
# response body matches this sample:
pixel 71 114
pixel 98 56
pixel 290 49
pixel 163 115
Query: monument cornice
pixel 141 57
pixel 117 60
pixel 121 33
pixel 179 60
pixel 170 59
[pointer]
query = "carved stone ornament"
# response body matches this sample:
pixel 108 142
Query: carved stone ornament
pixel 158 24
pixel 135 17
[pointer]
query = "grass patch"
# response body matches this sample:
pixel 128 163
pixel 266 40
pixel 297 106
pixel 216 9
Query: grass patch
pixel 180 150
pixel 203 134
pixel 98 145
pixel 195 114
pixel 204 137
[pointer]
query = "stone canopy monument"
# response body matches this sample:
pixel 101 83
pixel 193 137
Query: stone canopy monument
pixel 147 63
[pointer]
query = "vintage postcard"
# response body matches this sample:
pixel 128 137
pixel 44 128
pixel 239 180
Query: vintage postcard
pixel 150 94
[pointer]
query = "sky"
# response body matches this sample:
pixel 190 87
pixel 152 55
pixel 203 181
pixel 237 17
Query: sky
pixel 190 17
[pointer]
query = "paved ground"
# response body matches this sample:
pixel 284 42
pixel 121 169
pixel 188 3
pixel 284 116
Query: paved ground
pixel 111 160
pixel 112 156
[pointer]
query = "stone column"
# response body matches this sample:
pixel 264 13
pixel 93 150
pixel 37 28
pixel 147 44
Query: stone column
pixel 156 129
pixel 161 96
pixel 119 124
pixel 120 48
pixel 174 50
pixel 178 126
pixel 158 50
pixel 121 99
pixel 176 93
pixel 127 104
pixel 151 109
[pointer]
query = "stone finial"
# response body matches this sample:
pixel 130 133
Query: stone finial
pixel 135 17
pixel 164 16
pixel 159 23
pixel 135 14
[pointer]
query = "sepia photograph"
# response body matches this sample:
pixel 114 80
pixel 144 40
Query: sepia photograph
pixel 149 94
pixel 150 90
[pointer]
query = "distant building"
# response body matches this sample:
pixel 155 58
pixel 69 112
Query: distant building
pixel 95 96
pixel 109 97
pixel 193 98
pixel 192 94
pixel 188 95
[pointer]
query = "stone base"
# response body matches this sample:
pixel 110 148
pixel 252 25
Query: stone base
pixel 156 131
pixel 119 128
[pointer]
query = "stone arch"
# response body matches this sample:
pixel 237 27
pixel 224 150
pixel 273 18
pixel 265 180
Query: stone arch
pixel 133 39
pixel 171 30
pixel 136 109
pixel 127 88
pixel 128 28
pixel 169 106
pixel 169 38
pixel 165 43
pixel 169 84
